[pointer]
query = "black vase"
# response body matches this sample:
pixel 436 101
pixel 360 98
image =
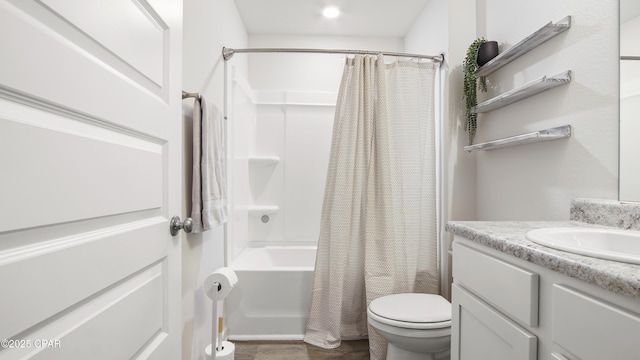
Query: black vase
pixel 486 52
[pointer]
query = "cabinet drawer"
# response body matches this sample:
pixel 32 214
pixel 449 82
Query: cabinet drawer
pixel 592 329
pixel 509 288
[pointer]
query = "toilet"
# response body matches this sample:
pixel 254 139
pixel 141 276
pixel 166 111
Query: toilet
pixel 416 326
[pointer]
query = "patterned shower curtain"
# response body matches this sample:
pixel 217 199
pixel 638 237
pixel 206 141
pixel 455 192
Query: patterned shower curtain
pixel 378 232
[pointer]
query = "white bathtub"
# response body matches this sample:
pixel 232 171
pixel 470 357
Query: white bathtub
pixel 271 301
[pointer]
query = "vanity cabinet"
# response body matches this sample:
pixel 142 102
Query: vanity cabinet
pixel 507 308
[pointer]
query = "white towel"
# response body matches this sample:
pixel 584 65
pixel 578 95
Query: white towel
pixel 209 187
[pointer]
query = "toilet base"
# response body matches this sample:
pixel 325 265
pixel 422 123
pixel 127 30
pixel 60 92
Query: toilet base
pixel 396 353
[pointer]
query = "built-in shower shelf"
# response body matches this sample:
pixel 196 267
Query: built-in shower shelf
pixel 523 92
pixel 259 210
pixel 529 43
pixel 533 137
pixel 264 160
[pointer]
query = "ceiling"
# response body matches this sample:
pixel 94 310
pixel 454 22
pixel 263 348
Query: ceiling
pixel 304 17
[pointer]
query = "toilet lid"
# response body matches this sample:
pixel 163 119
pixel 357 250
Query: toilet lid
pixel 414 308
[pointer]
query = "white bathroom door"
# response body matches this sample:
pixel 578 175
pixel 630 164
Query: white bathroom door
pixel 90 174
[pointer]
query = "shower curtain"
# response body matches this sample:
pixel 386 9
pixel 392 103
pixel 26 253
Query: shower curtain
pixel 378 232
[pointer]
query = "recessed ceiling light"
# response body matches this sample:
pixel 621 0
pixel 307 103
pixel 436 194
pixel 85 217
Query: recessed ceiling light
pixel 331 12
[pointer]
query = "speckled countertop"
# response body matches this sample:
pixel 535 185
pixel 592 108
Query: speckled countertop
pixel 509 237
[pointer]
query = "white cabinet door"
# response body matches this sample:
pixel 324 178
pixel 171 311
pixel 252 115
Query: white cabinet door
pixel 481 333
pixel 90 141
pixel 605 331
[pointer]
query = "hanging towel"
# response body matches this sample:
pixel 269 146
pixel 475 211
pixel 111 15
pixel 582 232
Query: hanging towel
pixel 209 187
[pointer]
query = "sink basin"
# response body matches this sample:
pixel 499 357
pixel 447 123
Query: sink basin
pixel 610 244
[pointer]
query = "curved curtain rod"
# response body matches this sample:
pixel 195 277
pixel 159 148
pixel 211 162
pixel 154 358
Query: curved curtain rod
pixel 227 53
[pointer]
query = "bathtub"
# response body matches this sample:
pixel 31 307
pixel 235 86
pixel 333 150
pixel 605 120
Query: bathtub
pixel 271 300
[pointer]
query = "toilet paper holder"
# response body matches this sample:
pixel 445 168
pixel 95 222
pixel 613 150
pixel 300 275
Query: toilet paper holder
pixel 217 286
pixel 223 280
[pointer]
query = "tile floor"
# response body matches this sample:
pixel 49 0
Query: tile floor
pixel 299 350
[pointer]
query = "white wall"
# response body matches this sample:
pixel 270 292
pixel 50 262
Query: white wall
pixel 538 181
pixel 441 27
pixel 429 34
pixel 307 72
pixel 208 26
pixel 629 109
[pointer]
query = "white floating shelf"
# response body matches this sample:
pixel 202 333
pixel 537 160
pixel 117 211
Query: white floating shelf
pixel 523 92
pixel 259 210
pixel 536 136
pixel 263 160
pixel 529 43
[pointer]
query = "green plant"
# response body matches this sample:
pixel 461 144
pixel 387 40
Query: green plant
pixel 470 66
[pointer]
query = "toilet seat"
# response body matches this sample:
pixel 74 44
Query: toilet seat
pixel 412 311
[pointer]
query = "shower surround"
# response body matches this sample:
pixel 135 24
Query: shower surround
pixel 279 145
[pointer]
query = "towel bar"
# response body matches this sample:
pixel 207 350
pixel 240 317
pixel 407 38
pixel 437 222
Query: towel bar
pixel 188 95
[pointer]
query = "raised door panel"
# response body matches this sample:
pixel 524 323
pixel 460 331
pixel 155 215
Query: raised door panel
pixel 481 333
pixel 57 276
pixel 593 329
pixel 67 164
pixel 89 67
pixel 108 22
pixel 104 327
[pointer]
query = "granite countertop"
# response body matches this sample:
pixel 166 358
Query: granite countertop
pixel 509 237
